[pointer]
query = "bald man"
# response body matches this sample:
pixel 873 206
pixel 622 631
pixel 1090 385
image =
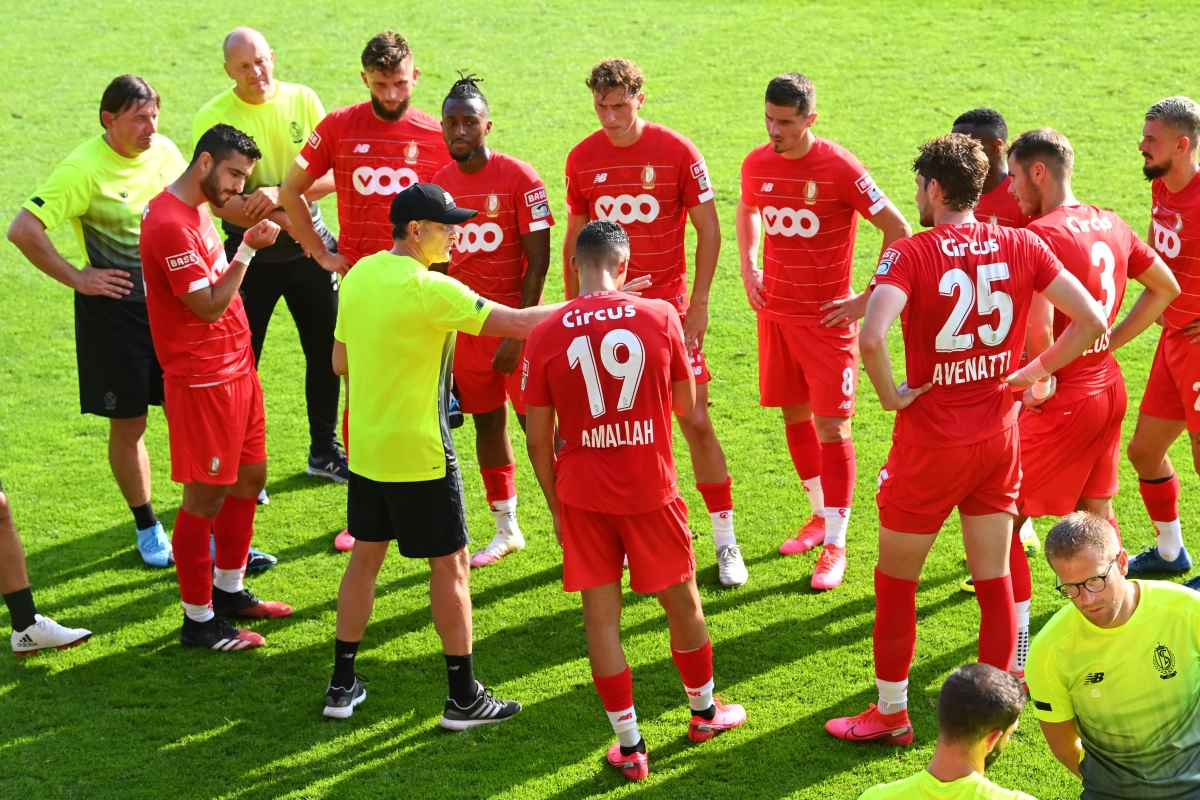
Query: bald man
pixel 280 117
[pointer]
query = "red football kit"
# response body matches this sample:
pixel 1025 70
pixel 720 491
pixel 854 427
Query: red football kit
pixel 809 209
pixel 648 188
pixel 216 420
pixel 511 200
pixel 1072 448
pixel 372 161
pixel 1171 391
pixel 999 207
pixel 969 288
pixel 606 363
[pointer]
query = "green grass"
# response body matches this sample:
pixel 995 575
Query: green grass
pixel 134 715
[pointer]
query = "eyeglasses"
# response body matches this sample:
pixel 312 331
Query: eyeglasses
pixel 1094 585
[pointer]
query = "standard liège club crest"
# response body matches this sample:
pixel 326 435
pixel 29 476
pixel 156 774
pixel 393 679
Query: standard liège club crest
pixel 810 193
pixel 1178 222
pixel 648 176
pixel 411 151
pixel 492 206
pixel 214 466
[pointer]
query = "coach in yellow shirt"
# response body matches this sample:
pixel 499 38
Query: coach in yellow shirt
pixel 279 116
pixel 395 339
pixel 102 187
pixel 978 709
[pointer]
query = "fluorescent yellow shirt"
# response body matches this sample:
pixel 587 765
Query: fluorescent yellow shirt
pixel 103 194
pixel 398 321
pixel 924 786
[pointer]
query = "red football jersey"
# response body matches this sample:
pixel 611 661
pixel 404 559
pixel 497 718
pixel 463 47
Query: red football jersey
pixel 998 207
pixel 606 363
pixel 511 201
pixel 809 208
pixel 1175 226
pixel 648 188
pixel 182 253
pixel 1098 248
pixel 969 288
pixel 372 161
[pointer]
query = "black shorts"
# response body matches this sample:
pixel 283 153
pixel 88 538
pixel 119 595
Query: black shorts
pixel 426 518
pixel 119 375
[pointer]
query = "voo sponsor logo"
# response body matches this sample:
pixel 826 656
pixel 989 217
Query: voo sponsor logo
pixel 383 180
pixel 627 208
pixel 473 237
pixel 790 222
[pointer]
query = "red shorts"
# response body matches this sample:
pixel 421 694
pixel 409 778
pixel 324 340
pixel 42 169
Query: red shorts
pixel 1173 390
pixel 699 367
pixel 807 364
pixel 480 388
pixel 658 543
pixel 1070 452
pixel 920 486
pixel 215 429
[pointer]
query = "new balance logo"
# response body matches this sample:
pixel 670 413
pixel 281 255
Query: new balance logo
pixel 1093 677
pixel 766 187
pixel 600 177
pixel 362 148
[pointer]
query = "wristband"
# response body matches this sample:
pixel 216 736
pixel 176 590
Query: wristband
pixel 244 253
pixel 1041 389
pixel 1031 372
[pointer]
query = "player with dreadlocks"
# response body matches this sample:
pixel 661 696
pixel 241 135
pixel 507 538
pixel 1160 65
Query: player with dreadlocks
pixel 503 254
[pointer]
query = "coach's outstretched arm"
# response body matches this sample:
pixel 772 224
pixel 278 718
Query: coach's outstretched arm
pixel 210 302
pixel 1160 290
pixel 1088 323
pixel 515 323
pixel 884 305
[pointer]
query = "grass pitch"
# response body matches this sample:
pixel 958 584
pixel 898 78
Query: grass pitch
pixel 132 714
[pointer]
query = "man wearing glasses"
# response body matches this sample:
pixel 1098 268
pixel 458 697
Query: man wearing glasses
pixel 1115 677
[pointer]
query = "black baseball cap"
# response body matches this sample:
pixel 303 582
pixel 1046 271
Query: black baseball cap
pixel 427 201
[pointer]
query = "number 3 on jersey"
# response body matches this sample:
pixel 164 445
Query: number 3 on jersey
pixel 950 339
pixel 629 371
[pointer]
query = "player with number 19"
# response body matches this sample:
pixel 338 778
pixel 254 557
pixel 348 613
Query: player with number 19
pixel 963 292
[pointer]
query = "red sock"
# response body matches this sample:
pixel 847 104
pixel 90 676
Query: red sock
pixel 718 497
pixel 1161 499
pixel 193 563
pixel 695 667
pixel 894 639
pixel 616 691
pixel 232 530
pixel 804 448
pixel 838 471
pixel 499 482
pixel 997 621
pixel 1116 528
pixel 346 427
pixel 1018 568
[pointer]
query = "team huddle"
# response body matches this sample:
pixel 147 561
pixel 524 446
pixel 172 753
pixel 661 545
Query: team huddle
pixel 428 306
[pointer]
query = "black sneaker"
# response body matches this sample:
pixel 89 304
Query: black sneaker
pixel 331 464
pixel 247 605
pixel 217 634
pixel 340 702
pixel 258 561
pixel 485 710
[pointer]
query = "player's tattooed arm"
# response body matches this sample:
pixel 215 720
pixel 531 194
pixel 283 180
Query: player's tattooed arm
pixel 708 249
pixel 845 311
pixel 885 304
pixel 1160 290
pixel 539 440
pixel 749 232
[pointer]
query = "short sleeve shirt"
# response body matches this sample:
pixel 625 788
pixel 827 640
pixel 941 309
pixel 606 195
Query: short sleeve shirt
pixel 1175 226
pixel 809 209
pixel 372 162
pixel 511 200
pixel 648 188
pixel 1098 248
pixel 279 127
pixel 103 194
pixel 398 321
pixel 969 288
pixel 923 786
pixel 606 363
pixel 181 254
pixel 1000 207
pixel 1133 691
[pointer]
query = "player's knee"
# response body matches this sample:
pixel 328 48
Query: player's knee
pixel 127 431
pixel 5 511
pixel 455 566
pixel 832 429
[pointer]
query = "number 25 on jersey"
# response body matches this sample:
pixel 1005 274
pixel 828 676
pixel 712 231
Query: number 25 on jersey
pixel 950 338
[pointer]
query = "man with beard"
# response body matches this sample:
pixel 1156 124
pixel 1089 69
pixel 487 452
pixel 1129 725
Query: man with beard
pixel 216 423
pixel 1171 401
pixel 503 255
pixel 978 709
pixel 376 149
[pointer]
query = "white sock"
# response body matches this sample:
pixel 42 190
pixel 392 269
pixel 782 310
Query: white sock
pixel 893 696
pixel 700 699
pixel 1027 531
pixel 1022 651
pixel 625 725
pixel 1170 539
pixel 836 521
pixel 198 613
pixel 722 525
pixel 816 496
pixel 505 512
pixel 228 580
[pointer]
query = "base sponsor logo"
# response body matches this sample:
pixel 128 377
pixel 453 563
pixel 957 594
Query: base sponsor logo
pixel 535 196
pixel 314 141
pixel 181 260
